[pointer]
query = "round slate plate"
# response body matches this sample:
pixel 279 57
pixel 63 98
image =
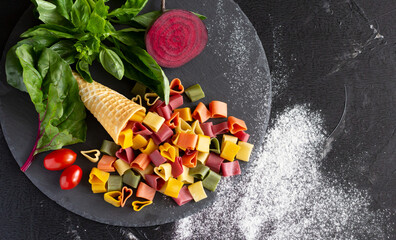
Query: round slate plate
pixel 233 68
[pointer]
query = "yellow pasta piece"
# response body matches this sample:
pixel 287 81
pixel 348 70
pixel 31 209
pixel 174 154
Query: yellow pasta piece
pixel 229 138
pixel 139 142
pixel 184 113
pixel 202 157
pixel 98 176
pixel 139 205
pixel 125 138
pixel 229 151
pixel 149 170
pixel 147 98
pixel 92 159
pixel 138 116
pixel 183 127
pixel 203 143
pixel 137 99
pixel 121 166
pixel 149 148
pixel 169 152
pixel 245 151
pixel 99 187
pixel 173 187
pixel 164 171
pixel 153 121
pixel 185 177
pixel 197 191
pixel 113 198
pixel 196 128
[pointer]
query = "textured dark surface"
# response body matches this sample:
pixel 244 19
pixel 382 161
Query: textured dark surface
pixel 326 46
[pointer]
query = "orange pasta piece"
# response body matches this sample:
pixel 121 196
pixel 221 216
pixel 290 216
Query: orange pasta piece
pixel 106 163
pixel 236 125
pixel 187 140
pixel 141 162
pixel 184 113
pixel 173 121
pixel 190 160
pixel 201 113
pixel 175 87
pixel 218 109
pixel 145 191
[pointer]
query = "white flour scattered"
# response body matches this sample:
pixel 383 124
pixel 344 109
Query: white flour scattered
pixel 284 195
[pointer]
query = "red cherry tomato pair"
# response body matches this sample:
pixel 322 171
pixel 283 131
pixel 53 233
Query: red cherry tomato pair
pixel 64 159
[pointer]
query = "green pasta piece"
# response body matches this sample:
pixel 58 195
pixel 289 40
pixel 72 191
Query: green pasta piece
pixel 114 183
pixel 109 148
pixel 131 178
pixel 211 180
pixel 199 171
pixel 214 145
pixel 194 93
pixel 138 89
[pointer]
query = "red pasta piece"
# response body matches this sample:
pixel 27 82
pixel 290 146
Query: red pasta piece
pixel 207 128
pixel 235 125
pixel 139 128
pixel 230 168
pixel 156 105
pixel 184 196
pixel 156 158
pixel 242 136
pixel 125 194
pixel 175 87
pixel 145 191
pixel 214 162
pixel 174 121
pixel 126 154
pixel 177 167
pixel 141 162
pixel 190 159
pixel 175 101
pixel 220 128
pixel 106 163
pixel 218 109
pixel 201 113
pixel 154 181
pixel 163 134
pixel 187 140
pixel 164 111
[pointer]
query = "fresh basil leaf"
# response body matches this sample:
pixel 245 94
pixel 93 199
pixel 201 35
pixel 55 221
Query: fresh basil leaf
pixel 96 24
pixel 112 63
pixel 80 14
pixel 48 13
pixel 50 30
pixel 202 17
pixel 66 50
pixel 100 8
pixel 82 67
pixel 130 36
pixel 148 18
pixel 13 68
pixel 128 11
pixel 64 7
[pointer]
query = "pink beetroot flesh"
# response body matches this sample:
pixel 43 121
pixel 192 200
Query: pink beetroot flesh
pixel 175 38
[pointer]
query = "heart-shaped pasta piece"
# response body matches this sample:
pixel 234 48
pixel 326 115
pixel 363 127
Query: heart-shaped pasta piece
pixel 92 159
pixel 125 194
pixel 139 205
pixel 168 152
pixel 164 171
pixel 137 99
pixel 175 87
pixel 151 98
pixel 113 198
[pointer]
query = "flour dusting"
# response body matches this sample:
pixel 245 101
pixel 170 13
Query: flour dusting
pixel 283 195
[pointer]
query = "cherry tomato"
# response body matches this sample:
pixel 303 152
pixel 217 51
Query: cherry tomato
pixel 59 159
pixel 70 177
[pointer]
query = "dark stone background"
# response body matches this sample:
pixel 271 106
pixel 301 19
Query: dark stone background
pixel 320 53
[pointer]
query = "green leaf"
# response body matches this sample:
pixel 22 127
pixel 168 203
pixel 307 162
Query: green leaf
pixel 48 13
pixel 128 11
pixel 53 30
pixel 96 24
pixel 112 63
pixel 202 17
pixel 101 9
pixel 148 18
pixel 13 68
pixel 130 36
pixel 64 7
pixel 82 67
pixel 66 50
pixel 80 14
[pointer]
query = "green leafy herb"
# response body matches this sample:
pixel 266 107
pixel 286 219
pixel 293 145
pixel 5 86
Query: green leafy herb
pixel 112 63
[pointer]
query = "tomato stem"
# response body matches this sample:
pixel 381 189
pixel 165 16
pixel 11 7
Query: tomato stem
pixel 163 6
pixel 31 155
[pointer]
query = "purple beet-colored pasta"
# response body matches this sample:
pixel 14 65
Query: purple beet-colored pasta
pixel 165 111
pixel 138 128
pixel 220 128
pixel 184 196
pixel 242 136
pixel 156 105
pixel 230 169
pixel 154 181
pixel 163 134
pixel 207 128
pixel 156 158
pixel 175 101
pixel 126 154
pixel 214 162
pixel 177 167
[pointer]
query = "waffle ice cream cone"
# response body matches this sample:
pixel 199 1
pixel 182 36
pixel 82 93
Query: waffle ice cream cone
pixel 112 109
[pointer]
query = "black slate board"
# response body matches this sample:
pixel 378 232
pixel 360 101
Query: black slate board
pixel 233 68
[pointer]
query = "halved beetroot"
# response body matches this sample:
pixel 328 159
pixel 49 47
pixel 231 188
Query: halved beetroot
pixel 176 37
